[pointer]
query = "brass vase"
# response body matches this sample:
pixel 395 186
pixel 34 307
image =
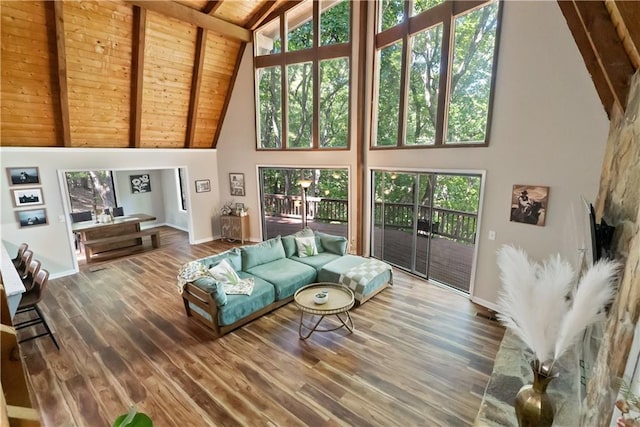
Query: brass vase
pixel 533 405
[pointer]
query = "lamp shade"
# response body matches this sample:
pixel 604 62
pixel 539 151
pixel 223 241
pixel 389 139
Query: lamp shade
pixel 304 183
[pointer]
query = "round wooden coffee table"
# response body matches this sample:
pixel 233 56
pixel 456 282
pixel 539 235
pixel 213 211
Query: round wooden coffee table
pixel 340 300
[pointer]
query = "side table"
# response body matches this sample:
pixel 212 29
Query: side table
pixel 340 300
pixel 235 227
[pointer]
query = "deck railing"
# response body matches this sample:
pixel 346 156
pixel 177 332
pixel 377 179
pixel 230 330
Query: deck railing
pixel 456 225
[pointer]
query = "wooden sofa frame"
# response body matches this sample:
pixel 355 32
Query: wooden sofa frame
pixel 202 299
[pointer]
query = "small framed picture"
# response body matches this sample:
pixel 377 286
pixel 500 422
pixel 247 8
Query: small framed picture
pixel 239 207
pixel 237 184
pixel 529 204
pixel 140 183
pixel 21 176
pixel 203 185
pixel 27 197
pixel 32 217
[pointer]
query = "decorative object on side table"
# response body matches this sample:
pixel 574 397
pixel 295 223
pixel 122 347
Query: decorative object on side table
pixel 538 304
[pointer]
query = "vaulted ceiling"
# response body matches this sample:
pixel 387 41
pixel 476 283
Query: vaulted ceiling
pixel 159 74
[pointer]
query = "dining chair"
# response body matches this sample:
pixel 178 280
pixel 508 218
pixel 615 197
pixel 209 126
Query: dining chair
pixel 25 260
pixel 29 302
pixel 81 216
pixel 23 247
pixel 32 271
pixel 118 211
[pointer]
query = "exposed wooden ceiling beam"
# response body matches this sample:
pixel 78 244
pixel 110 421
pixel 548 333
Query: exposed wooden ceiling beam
pixel 227 98
pixel 600 46
pixel 192 116
pixel 185 13
pixel 627 16
pixel 212 6
pixel 273 15
pixel 137 74
pixel 61 59
pixel 261 14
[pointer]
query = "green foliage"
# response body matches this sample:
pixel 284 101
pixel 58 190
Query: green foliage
pixel 300 112
pixel 334 87
pixel 389 95
pixel 475 35
pixel 270 107
pixel 335 24
pixel 424 80
pixel 455 192
pixel 334 102
pixel 469 78
pixel 392 13
pixel 301 37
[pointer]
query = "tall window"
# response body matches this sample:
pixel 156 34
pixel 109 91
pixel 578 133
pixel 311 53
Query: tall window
pixel 303 87
pixel 435 64
pixel 91 190
pixel 182 188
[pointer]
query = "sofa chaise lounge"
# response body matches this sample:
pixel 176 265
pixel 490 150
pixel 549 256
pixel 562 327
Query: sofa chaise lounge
pixel 278 267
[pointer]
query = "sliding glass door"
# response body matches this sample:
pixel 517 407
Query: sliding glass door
pixel 322 204
pixel 426 223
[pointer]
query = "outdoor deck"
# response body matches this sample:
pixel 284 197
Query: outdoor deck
pixel 450 261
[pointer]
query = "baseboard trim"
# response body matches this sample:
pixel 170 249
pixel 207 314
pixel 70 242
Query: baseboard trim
pixel 63 274
pixel 485 303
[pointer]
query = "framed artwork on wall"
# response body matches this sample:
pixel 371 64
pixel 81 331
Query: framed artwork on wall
pixel 529 204
pixel 140 183
pixel 31 217
pixel 27 197
pixel 236 181
pixel 203 186
pixel 21 176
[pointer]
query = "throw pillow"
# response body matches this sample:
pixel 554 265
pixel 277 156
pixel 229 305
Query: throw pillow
pixel 306 246
pixel 224 273
pixel 231 282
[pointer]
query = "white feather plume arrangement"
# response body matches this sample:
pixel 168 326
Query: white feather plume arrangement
pixel 595 290
pixel 532 300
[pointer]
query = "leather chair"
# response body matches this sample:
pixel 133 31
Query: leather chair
pixel 81 216
pixel 32 271
pixel 29 302
pixel 25 260
pixel 23 247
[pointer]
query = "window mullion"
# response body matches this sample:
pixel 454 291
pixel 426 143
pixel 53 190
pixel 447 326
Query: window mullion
pixel 284 86
pixel 315 125
pixel 445 74
pixel 404 99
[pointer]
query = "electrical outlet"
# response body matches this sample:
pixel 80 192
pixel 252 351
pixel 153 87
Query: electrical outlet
pixel 60 218
pixel 492 235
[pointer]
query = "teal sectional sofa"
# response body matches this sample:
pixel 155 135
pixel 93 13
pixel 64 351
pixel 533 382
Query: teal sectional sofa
pixel 278 271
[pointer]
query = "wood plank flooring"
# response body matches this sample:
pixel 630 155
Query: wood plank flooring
pixel 419 355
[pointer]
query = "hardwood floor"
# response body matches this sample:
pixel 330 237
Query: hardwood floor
pixel 419 355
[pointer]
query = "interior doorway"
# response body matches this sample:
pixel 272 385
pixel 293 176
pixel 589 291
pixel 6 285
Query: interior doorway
pixel 426 223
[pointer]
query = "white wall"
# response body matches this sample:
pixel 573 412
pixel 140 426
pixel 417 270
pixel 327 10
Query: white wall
pixel 52 243
pixel 549 128
pixel 151 203
pixel 173 213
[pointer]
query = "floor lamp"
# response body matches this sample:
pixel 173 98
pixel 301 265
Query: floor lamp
pixel 305 184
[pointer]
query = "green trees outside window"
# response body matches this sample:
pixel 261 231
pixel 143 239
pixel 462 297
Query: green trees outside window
pixel 448 63
pixel 312 74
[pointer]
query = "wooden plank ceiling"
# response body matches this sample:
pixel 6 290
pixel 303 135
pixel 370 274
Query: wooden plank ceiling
pixel 140 74
pixel 158 74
